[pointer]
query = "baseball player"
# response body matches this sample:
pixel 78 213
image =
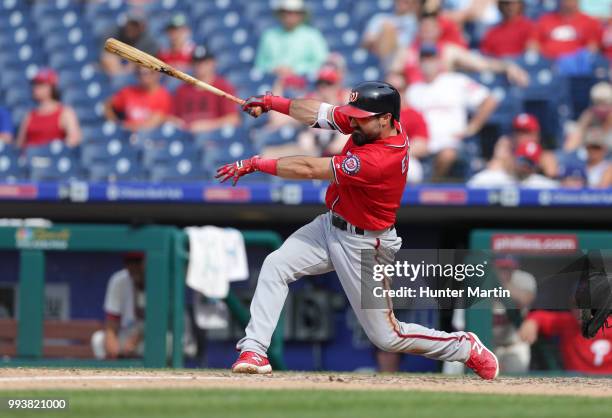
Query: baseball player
pixel 367 181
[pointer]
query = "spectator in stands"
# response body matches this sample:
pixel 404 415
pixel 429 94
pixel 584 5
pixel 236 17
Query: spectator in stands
pixel 142 106
pixel 573 176
pixel 319 142
pixel 180 50
pixel 528 156
pixel 513 353
pixel 526 129
pixel 599 169
pixel 385 33
pixel 6 126
pixel 481 14
pixel 133 32
pixel 455 57
pixel 511 36
pixel 444 98
pixel 51 120
pixel 566 31
pixel 124 306
pixel 294 49
pixel 199 110
pixel 578 354
pixel 415 126
pixel 599 114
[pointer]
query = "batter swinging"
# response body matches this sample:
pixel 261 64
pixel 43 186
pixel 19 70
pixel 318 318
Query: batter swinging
pixel 366 185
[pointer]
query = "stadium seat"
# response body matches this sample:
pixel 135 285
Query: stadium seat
pixel 284 135
pixel 58 21
pixel 107 151
pixel 165 133
pixel 165 152
pixel 18 97
pixel 10 168
pixel 219 154
pixel 181 169
pixel 105 132
pixel 64 167
pixel 52 162
pixel 121 168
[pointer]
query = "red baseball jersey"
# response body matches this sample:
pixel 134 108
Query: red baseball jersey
pixel 578 353
pixel 369 180
pixel 508 38
pixel 559 35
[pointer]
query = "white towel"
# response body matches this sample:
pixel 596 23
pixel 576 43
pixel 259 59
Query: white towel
pixel 216 256
pixel 237 257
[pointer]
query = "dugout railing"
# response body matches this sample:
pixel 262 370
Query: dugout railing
pixel 166 255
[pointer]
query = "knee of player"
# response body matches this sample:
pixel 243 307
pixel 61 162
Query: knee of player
pixel 387 342
pixel 275 261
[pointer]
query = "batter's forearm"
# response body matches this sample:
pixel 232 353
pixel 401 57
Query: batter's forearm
pixel 305 110
pixel 304 168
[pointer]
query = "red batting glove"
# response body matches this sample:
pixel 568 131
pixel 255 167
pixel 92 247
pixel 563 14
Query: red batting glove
pixel 256 105
pixel 237 169
pixel 252 103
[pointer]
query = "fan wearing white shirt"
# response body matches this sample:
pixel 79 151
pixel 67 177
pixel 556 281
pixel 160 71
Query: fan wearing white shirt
pixel 445 98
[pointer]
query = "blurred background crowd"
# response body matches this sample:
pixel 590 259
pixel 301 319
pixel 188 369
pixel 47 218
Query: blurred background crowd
pixel 495 92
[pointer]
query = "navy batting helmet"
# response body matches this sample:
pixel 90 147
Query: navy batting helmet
pixel 372 98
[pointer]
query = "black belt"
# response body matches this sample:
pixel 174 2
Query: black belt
pixel 340 223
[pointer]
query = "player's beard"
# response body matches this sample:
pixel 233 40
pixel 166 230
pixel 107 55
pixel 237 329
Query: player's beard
pixel 360 138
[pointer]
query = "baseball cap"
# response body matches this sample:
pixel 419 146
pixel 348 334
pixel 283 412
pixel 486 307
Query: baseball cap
pixel 133 256
pixel 530 151
pixel 177 21
pixel 328 74
pixel 201 53
pixel 526 123
pixel 46 76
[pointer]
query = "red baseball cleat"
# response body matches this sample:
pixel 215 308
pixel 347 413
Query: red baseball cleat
pixel 482 360
pixel 251 363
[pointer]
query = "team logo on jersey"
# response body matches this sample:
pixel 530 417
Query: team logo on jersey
pixel 353 97
pixel 351 165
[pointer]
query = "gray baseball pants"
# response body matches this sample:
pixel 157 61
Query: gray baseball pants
pixel 318 248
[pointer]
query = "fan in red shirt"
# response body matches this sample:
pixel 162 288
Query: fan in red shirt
pixel 511 36
pixel 578 353
pixel 143 106
pixel 50 120
pixel 566 31
pixel 199 110
pixel 414 125
pixel 181 46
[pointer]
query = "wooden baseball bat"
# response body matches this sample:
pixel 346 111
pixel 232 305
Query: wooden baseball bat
pixel 142 58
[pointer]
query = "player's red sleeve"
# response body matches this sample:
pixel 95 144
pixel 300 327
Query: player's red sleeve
pixel 551 323
pixel 357 169
pixel 340 122
pixel 118 101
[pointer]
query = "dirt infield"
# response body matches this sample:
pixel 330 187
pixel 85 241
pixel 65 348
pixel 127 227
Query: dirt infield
pixel 24 379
